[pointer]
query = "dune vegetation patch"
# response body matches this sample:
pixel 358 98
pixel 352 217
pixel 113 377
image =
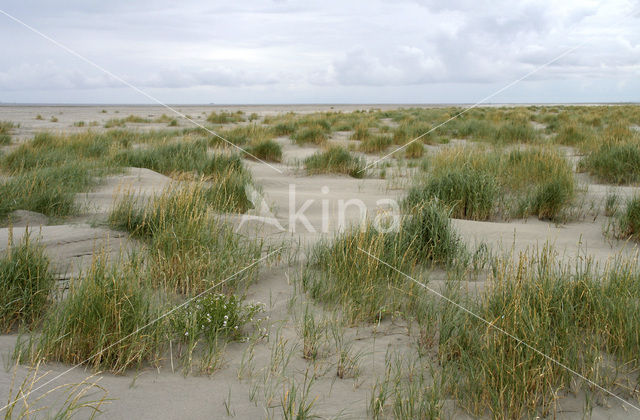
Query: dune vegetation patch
pixel 242 135
pixel 314 134
pixel 587 320
pixel 375 143
pixel 335 159
pixel 191 245
pixel 122 122
pixel 26 285
pixel 49 190
pixel 627 224
pixel 225 117
pixel 340 274
pixel 481 184
pixel 614 163
pixel 98 322
pixel 110 318
pixel 267 150
pixel 6 128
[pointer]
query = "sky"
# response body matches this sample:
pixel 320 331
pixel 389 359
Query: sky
pixel 279 51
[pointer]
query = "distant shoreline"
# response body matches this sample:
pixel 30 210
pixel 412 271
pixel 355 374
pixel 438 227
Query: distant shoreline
pixel 490 104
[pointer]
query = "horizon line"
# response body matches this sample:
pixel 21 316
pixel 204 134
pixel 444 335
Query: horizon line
pixel 112 104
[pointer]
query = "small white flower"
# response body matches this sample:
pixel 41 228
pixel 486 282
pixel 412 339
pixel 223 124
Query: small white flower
pixel 186 333
pixel 226 317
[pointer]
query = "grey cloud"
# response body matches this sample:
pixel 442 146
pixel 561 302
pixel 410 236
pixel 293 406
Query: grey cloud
pixel 353 51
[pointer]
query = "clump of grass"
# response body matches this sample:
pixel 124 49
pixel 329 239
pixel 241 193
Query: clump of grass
pixel 617 163
pixel 122 122
pixel 574 135
pixel 167 158
pixel 411 129
pixel 99 322
pixel 469 193
pixel 50 191
pixel 549 199
pixel 478 129
pixel 477 183
pixel 47 150
pixel 54 119
pixel 361 131
pixel 26 286
pixel 243 134
pixel 226 173
pixel 224 117
pixel 628 222
pixel 611 204
pixel 414 150
pixel 285 128
pixel 375 143
pixel 340 273
pixel 191 247
pixel 336 159
pixel 5 139
pixel 164 118
pixel 267 150
pixel 309 134
pixel 516 132
pixel 6 127
pixel 79 124
pixel 580 317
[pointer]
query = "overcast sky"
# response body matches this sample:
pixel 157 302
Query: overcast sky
pixel 225 52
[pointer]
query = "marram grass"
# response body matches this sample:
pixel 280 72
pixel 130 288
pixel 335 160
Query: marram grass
pixel 189 246
pixel 26 285
pixel 100 321
pixel 584 317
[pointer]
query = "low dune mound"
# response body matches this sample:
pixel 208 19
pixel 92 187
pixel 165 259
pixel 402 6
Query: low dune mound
pixel 71 248
pixel 140 181
pixel 22 218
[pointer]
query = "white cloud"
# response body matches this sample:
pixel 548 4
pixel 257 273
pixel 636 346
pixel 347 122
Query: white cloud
pixel 346 52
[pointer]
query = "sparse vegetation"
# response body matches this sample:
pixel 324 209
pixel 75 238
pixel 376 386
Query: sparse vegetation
pixel 6 127
pixel 378 285
pixel 122 122
pixel 224 117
